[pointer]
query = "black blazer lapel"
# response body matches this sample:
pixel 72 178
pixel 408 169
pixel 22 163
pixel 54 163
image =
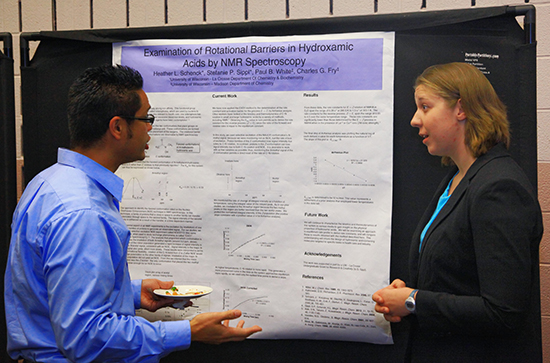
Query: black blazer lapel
pixel 414 260
pixel 495 152
pixel 447 208
pixel 414 255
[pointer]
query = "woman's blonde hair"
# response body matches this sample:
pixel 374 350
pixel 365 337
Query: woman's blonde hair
pixel 486 118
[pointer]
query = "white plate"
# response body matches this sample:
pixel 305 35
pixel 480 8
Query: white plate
pixel 184 292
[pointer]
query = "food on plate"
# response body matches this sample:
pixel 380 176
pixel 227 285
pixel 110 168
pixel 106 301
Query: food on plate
pixel 174 291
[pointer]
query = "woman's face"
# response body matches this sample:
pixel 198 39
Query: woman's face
pixel 440 126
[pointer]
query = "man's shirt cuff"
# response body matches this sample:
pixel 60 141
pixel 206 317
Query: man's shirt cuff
pixel 136 287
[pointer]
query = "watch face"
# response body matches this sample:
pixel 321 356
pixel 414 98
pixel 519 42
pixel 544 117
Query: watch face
pixel 410 304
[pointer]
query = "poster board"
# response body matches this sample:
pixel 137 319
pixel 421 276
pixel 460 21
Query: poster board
pixel 269 170
pixel 489 37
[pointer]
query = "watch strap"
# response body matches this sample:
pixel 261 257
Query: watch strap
pixel 410 302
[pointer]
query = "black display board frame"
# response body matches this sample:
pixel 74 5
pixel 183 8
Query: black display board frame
pixel 8 176
pixel 8 172
pixel 422 39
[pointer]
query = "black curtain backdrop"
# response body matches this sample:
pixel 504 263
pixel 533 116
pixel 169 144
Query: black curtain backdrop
pixel 8 176
pixel 422 39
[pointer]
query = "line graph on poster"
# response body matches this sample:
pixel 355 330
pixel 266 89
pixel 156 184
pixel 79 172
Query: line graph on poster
pixel 250 300
pixel 248 243
pixel 156 188
pixel 133 189
pixel 250 180
pixel 340 170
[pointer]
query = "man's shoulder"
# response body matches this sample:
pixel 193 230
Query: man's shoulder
pixel 61 178
pixel 61 186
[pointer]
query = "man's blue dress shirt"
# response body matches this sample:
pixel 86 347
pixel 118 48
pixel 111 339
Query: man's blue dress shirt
pixel 68 293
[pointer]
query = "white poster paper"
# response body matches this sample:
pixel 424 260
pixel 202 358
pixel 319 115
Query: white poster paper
pixel 268 178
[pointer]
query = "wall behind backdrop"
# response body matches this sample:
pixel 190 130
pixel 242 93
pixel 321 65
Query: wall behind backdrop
pixel 18 16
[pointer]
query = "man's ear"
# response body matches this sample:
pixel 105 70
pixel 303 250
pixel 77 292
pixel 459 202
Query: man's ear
pixel 460 115
pixel 117 127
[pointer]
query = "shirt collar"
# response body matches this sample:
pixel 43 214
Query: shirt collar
pixel 94 170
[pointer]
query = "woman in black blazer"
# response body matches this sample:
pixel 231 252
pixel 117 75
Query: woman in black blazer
pixel 473 294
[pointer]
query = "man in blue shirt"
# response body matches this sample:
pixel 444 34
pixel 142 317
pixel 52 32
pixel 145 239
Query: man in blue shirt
pixel 68 293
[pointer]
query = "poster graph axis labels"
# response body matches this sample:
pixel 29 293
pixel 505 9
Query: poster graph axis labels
pixel 250 300
pixel 255 246
pixel 339 171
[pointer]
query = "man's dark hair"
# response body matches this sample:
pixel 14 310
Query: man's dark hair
pixel 98 95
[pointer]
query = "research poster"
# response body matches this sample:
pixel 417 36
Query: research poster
pixel 268 178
